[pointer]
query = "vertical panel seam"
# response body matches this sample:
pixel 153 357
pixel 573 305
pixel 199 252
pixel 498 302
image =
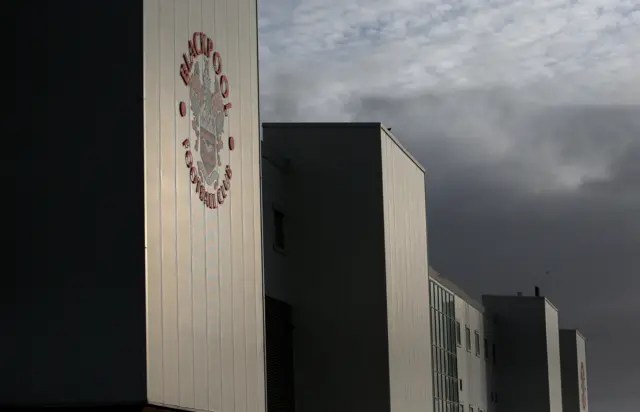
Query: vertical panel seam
pixel 193 321
pixel 242 211
pixel 159 137
pixel 175 173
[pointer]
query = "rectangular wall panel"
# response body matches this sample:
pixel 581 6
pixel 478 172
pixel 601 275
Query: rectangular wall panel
pixel 553 357
pixel 203 246
pixel 407 279
pixel 583 387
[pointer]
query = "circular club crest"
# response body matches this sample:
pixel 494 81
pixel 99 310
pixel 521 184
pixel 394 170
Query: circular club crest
pixel 583 386
pixel 208 108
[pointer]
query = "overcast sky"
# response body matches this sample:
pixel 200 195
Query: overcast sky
pixel 526 115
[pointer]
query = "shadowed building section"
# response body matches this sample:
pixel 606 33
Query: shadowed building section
pixel 574 371
pixel 345 245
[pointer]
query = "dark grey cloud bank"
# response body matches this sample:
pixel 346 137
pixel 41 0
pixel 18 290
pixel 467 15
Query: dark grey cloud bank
pixel 497 224
pixel 515 189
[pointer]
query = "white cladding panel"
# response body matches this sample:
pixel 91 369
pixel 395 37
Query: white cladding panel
pixel 204 265
pixel 472 364
pixel 583 387
pixel 407 280
pixel 553 358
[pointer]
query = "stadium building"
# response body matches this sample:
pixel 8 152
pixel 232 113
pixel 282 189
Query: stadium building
pixel 152 206
pixel 355 317
pixel 143 196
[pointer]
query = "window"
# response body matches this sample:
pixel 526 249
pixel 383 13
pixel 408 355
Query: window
pixel 460 385
pixel 477 336
pixel 470 408
pixel 486 348
pixel 458 334
pixel 461 408
pixel 278 222
pixel 467 332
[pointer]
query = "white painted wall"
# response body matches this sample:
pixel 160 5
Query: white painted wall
pixel 553 357
pixel 582 364
pixel 472 368
pixel 407 280
pixel 204 266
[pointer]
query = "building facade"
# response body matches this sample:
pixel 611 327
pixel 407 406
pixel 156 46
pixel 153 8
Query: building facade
pixel 345 250
pixel 344 222
pixel 203 243
pixel 149 290
pixel 573 358
pixel 470 349
pixel 527 371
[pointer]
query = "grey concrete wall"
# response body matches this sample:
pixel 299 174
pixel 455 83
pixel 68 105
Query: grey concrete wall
pixel 553 357
pixel 521 353
pixel 334 264
pixel 570 371
pixel 407 275
pixel 274 197
pixel 573 357
pixel 584 380
pixel 73 319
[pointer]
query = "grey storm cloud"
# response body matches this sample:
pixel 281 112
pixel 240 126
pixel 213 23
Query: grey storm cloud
pixel 526 115
pixel 518 189
pixel 563 196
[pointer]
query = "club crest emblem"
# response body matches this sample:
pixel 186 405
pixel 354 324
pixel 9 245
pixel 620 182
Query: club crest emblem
pixel 207 111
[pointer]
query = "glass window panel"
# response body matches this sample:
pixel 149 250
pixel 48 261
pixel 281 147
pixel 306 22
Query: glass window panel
pixel 446 332
pixel 453 334
pixel 431 294
pixel 433 357
pixel 433 324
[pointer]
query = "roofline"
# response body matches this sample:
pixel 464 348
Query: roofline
pixel 544 298
pixel 401 147
pixel 456 290
pixel 356 125
pixel 576 331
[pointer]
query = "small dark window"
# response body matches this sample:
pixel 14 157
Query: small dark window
pixel 467 333
pixel 460 384
pixel 486 348
pixel 477 339
pixel 278 220
pixel 458 334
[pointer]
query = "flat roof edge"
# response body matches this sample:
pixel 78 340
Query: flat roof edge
pixel 455 289
pixel 543 298
pixel 401 147
pixel 576 331
pixel 355 125
pixel 321 124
